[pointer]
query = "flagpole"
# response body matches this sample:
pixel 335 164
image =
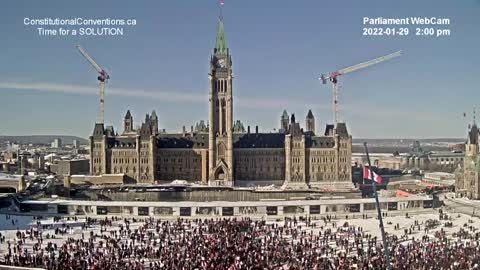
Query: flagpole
pixel 220 7
pixel 382 229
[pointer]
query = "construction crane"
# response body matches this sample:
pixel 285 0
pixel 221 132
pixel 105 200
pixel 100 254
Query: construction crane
pixel 332 77
pixel 102 78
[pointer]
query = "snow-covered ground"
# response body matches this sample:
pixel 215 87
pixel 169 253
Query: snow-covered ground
pixel 370 225
pixel 394 225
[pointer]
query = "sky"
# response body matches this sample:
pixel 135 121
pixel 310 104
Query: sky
pixel 278 48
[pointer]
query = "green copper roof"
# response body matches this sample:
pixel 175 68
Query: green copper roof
pixel 285 114
pixel 220 42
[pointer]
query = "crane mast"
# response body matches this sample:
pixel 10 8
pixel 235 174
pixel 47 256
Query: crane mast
pixel 102 78
pixel 332 77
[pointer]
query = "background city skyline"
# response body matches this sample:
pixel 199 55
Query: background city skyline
pixel 278 48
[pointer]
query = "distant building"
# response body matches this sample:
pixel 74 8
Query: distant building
pixel 418 159
pixel 468 178
pixel 10 156
pixel 22 161
pixel 82 151
pixel 75 144
pixel 41 162
pixel 284 121
pixel 458 147
pixel 57 143
pixel 4 166
pixel 200 127
pixel 71 167
pixel 115 179
pixel 439 178
pixel 238 127
pixel 224 152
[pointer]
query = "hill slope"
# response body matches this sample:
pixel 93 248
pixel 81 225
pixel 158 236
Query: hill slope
pixel 42 139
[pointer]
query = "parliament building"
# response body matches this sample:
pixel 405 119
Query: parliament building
pixel 468 176
pixel 220 153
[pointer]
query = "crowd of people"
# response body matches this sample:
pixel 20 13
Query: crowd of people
pixel 237 244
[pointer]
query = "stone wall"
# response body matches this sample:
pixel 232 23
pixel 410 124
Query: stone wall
pixel 207 195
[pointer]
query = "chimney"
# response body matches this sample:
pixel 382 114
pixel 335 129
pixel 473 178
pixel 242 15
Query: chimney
pixel 256 129
pixel 248 129
pixel 191 131
pixel 184 131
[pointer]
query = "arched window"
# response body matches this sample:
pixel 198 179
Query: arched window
pixel 221 150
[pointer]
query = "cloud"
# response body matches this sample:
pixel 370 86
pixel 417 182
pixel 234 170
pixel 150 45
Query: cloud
pixel 165 96
pixel 257 103
pixel 93 90
pixel 359 112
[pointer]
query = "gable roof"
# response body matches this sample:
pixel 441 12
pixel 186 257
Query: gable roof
pixel 259 140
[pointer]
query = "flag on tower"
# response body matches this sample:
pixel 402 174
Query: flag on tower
pixel 222 2
pixel 367 175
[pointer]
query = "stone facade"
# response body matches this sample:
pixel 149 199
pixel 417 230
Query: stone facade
pixel 69 167
pixel 467 178
pixel 221 153
pixel 417 159
pixel 439 161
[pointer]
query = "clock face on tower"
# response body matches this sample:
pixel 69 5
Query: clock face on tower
pixel 221 63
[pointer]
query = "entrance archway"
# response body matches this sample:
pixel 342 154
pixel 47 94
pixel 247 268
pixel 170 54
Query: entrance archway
pixel 220 174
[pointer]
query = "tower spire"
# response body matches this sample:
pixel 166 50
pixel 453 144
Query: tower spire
pixel 220 42
pixel 474 117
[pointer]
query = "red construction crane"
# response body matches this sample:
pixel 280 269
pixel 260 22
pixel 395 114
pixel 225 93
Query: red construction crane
pixel 332 77
pixel 102 78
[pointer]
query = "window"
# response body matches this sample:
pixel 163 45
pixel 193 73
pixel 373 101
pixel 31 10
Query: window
pixel 221 150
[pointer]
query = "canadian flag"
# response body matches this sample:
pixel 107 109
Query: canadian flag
pixel 222 2
pixel 367 175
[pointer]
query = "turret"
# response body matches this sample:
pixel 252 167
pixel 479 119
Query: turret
pixel 128 123
pixel 154 122
pixel 310 122
pixel 284 122
pixel 471 146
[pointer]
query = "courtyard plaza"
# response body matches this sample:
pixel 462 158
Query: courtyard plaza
pixel 322 242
